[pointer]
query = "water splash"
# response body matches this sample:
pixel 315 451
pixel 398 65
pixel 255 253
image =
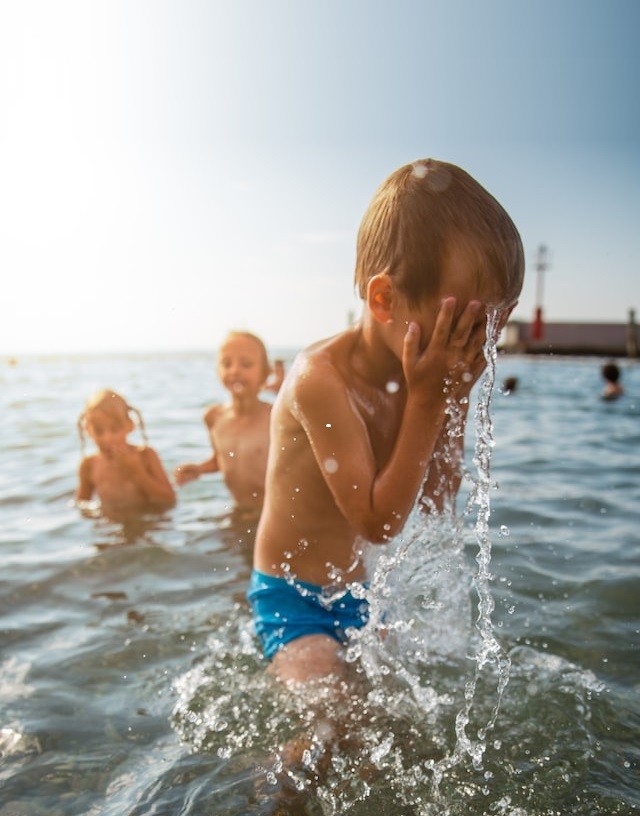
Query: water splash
pixel 490 652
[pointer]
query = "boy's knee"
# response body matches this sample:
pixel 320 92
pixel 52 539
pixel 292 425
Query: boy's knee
pixel 308 657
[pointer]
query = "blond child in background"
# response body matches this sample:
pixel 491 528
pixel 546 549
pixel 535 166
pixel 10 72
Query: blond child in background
pixel 359 428
pixel 124 476
pixel 238 429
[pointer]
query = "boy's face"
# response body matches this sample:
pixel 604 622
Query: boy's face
pixel 460 279
pixel 241 366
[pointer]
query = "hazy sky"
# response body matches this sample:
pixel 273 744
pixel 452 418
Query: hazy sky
pixel 173 169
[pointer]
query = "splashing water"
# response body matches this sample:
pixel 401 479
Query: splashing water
pixel 425 681
pixel 490 651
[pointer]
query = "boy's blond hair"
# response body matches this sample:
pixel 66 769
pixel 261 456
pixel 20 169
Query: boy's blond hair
pixel 418 214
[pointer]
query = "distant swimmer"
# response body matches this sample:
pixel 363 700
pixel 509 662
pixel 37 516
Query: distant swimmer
pixel 238 429
pixel 613 387
pixel 125 477
pixel 509 385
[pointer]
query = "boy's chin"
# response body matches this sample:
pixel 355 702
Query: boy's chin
pixel 239 388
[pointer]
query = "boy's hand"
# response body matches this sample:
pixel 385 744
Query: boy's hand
pixel 186 473
pixel 453 359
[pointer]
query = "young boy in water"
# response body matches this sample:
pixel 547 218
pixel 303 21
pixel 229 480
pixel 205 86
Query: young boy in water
pixel 238 429
pixel 358 431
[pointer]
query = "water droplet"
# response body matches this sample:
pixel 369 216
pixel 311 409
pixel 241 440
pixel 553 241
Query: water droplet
pixel 392 387
pixel 330 465
pixel 328 425
pixel 504 530
pixel 419 170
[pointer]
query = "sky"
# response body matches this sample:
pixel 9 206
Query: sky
pixel 174 169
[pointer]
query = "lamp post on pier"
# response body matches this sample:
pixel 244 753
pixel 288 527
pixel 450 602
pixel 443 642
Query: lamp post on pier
pixel 542 264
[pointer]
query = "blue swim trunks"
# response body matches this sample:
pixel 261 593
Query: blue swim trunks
pixel 284 610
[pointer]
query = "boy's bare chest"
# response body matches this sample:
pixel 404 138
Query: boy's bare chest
pixel 381 414
pixel 237 437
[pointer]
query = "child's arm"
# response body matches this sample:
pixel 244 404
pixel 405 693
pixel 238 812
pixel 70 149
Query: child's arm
pixel 444 474
pixel 151 477
pixel 86 486
pixel 190 471
pixel 377 501
pixel 193 470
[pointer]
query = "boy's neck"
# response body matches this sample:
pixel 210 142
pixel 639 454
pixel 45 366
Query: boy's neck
pixel 245 404
pixel 372 358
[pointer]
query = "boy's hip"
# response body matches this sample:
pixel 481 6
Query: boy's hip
pixel 285 609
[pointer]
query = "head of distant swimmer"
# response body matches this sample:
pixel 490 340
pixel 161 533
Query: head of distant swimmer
pixel 434 231
pixel 243 362
pixel 611 372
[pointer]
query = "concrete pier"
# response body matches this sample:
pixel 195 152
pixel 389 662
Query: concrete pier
pixel 576 339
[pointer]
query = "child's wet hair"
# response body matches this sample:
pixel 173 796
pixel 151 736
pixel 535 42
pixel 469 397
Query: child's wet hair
pixel 266 365
pixel 418 214
pixel 115 407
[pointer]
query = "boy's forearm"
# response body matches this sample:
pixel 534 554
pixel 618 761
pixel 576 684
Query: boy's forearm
pixel 209 465
pixel 398 484
pixel 444 474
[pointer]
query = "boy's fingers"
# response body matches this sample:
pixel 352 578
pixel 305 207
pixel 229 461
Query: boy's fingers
pixel 411 344
pixel 479 334
pixel 444 321
pixel 472 320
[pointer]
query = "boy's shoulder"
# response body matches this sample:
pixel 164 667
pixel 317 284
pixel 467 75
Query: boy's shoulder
pixel 332 352
pixel 323 366
pixel 265 406
pixel 212 413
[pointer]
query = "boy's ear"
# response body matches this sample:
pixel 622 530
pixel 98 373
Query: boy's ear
pixel 380 297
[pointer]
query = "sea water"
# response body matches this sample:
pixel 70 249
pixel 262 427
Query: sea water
pixel 507 683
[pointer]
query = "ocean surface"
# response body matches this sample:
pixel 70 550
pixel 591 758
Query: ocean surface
pixel 131 682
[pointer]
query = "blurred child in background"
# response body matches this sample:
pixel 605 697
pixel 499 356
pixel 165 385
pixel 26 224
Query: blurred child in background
pixel 239 428
pixel 124 476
